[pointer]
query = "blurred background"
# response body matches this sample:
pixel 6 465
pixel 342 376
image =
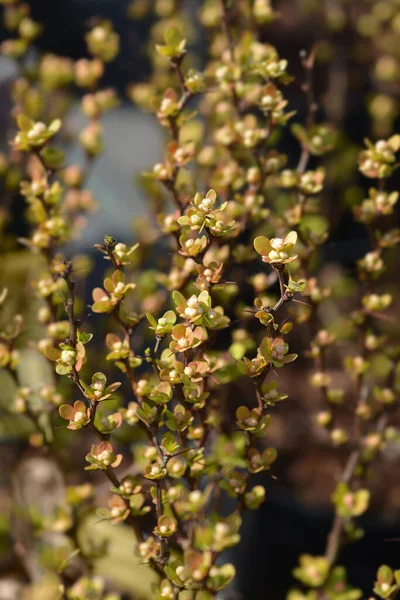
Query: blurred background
pixel 357 83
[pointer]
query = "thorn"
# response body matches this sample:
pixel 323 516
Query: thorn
pixel 300 302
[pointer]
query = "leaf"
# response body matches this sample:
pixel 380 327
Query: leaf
pixel 173 36
pixel 178 298
pixel 170 573
pixel 84 337
pixel 289 358
pixel 115 420
pixel 164 50
pixel 102 307
pixel 165 388
pixel 385 574
pixel 118 277
pixel 291 238
pixel 169 443
pixel 111 388
pixel 136 501
pixel 151 320
pixel 24 123
pixel 87 388
pixel 112 339
pixel 204 296
pixel 286 328
pixel 212 194
pixel 394 142
pixel 52 353
pixel 79 406
pixel 62 369
pixel 242 367
pixel 66 411
pixel 80 350
pixel 262 245
pixel 242 413
pixel 269 455
pixel 179 330
pixel 298 131
pixel 108 285
pixel 98 294
pixel 99 376
pixel 53 158
pixel 170 316
pixel 55 126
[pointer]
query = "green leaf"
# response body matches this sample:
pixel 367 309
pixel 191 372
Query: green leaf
pixel 118 277
pixel 169 443
pixel 394 142
pixel 385 574
pixel 24 123
pixel 269 455
pixel 55 126
pixel 178 298
pixel 289 358
pixel 53 158
pixel 84 337
pixel 99 376
pixel 103 306
pixel 262 245
pixel 151 320
pixel 173 36
pixel 298 131
pixel 52 353
pixel 170 316
pixel 170 573
pixel 62 369
pixel 87 388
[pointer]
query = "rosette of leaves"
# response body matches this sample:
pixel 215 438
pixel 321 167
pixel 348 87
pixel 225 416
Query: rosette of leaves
pixel 174 44
pixel 387 582
pixel 69 357
pixel 164 325
pixel 318 139
pixel 198 310
pixel 270 393
pixel 379 159
pixel 78 415
pixel 252 420
pixel 115 291
pixel 277 251
pixel 103 42
pixel 97 390
pixel 348 503
pixel 274 350
pixel 184 338
pixel 313 570
pixel 34 136
pixel 102 457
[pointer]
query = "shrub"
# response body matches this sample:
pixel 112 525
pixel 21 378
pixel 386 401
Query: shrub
pixel 240 224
